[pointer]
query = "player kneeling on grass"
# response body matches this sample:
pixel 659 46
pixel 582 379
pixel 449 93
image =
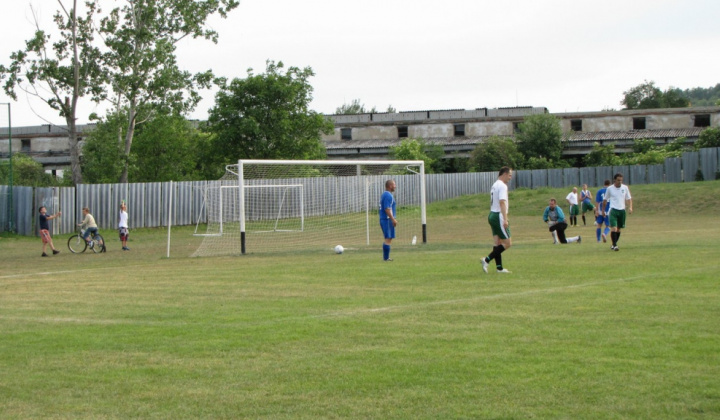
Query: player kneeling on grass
pixel 555 218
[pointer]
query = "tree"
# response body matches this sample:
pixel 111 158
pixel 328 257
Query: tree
pixel 61 73
pixel 27 172
pixel 103 157
pixel 494 153
pixel 703 96
pixel 165 150
pixel 709 137
pixel 357 107
pixel 267 116
pixel 141 39
pixel 602 155
pixel 539 136
pixel 418 149
pixel 647 96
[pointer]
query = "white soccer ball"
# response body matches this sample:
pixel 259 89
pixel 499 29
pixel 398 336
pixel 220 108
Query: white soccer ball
pixel 339 249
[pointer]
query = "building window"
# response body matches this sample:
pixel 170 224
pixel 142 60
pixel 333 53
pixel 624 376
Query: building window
pixel 702 120
pixel 459 130
pixel 346 133
pixel 402 131
pixel 576 125
pixel 25 146
pixel 639 123
pixel 516 127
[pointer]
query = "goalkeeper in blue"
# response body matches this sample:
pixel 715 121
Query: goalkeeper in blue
pixel 387 217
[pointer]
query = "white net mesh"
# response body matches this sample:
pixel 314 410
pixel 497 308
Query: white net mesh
pixel 308 207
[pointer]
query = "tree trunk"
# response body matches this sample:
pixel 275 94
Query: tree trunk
pixel 128 143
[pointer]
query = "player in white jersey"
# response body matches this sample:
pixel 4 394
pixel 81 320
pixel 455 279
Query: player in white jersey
pixel 498 220
pixel 617 195
pixel 572 199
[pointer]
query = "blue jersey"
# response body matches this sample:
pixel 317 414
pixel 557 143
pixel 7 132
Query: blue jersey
pixel 600 197
pixel 387 201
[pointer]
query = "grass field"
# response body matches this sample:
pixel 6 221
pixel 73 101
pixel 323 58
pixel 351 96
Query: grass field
pixel 576 331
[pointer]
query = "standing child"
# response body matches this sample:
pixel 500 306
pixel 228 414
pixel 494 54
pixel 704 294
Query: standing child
pixel 123 226
pixel 45 230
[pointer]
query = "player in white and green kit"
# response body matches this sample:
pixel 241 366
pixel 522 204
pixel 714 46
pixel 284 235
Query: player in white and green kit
pixel 617 195
pixel 498 220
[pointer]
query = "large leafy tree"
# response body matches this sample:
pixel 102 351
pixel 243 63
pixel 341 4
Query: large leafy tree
pixel 494 153
pixel 141 38
pixel 60 72
pixel 165 148
pixel 418 149
pixel 647 96
pixel 540 136
pixel 268 116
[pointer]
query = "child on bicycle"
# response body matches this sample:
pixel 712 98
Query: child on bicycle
pixel 89 225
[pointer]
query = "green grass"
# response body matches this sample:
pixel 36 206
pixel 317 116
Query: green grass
pixel 577 331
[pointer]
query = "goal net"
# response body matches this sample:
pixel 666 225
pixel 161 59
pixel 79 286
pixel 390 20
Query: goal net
pixel 269 206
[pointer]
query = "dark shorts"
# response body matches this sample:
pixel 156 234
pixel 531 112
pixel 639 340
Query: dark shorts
pixel 387 228
pixel 574 210
pixel 496 224
pixel 617 218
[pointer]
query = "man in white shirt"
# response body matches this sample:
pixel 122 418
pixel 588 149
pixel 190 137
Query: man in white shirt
pixel 498 220
pixel 572 199
pixel 617 195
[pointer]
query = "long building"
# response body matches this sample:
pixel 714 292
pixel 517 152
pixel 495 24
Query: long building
pixel 458 131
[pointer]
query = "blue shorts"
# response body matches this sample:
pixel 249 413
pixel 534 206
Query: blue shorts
pixel 88 231
pixel 387 228
pixel 602 219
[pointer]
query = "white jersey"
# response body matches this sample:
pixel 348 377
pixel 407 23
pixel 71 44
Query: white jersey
pixel 123 219
pixel 499 191
pixel 616 196
pixel 572 198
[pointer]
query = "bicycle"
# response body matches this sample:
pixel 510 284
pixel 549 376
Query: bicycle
pixel 77 244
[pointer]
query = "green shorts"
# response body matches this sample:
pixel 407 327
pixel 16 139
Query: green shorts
pixel 574 210
pixel 496 224
pixel 617 218
pixel 587 207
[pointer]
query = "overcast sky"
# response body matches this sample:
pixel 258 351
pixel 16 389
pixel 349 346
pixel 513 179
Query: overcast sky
pixel 566 55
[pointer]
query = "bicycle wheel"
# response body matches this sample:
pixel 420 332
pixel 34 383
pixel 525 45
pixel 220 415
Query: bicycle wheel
pixel 76 244
pixel 98 244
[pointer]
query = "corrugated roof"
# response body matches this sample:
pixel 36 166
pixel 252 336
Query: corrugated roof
pixel 635 134
pixel 576 136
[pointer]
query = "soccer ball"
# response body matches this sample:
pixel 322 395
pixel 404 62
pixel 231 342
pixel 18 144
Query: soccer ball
pixel 339 249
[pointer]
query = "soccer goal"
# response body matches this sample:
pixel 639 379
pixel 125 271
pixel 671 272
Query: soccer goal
pixel 291 205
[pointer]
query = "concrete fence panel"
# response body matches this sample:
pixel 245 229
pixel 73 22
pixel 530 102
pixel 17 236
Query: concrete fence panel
pixel 690 165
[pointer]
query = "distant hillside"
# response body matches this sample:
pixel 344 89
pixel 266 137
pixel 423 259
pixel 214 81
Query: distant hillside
pixel 703 96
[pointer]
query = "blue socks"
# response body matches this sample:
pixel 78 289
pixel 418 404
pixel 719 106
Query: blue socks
pixel 386 251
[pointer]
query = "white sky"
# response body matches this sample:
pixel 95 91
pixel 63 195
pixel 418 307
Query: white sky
pixel 566 55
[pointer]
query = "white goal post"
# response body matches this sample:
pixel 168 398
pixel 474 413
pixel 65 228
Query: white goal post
pixel 301 205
